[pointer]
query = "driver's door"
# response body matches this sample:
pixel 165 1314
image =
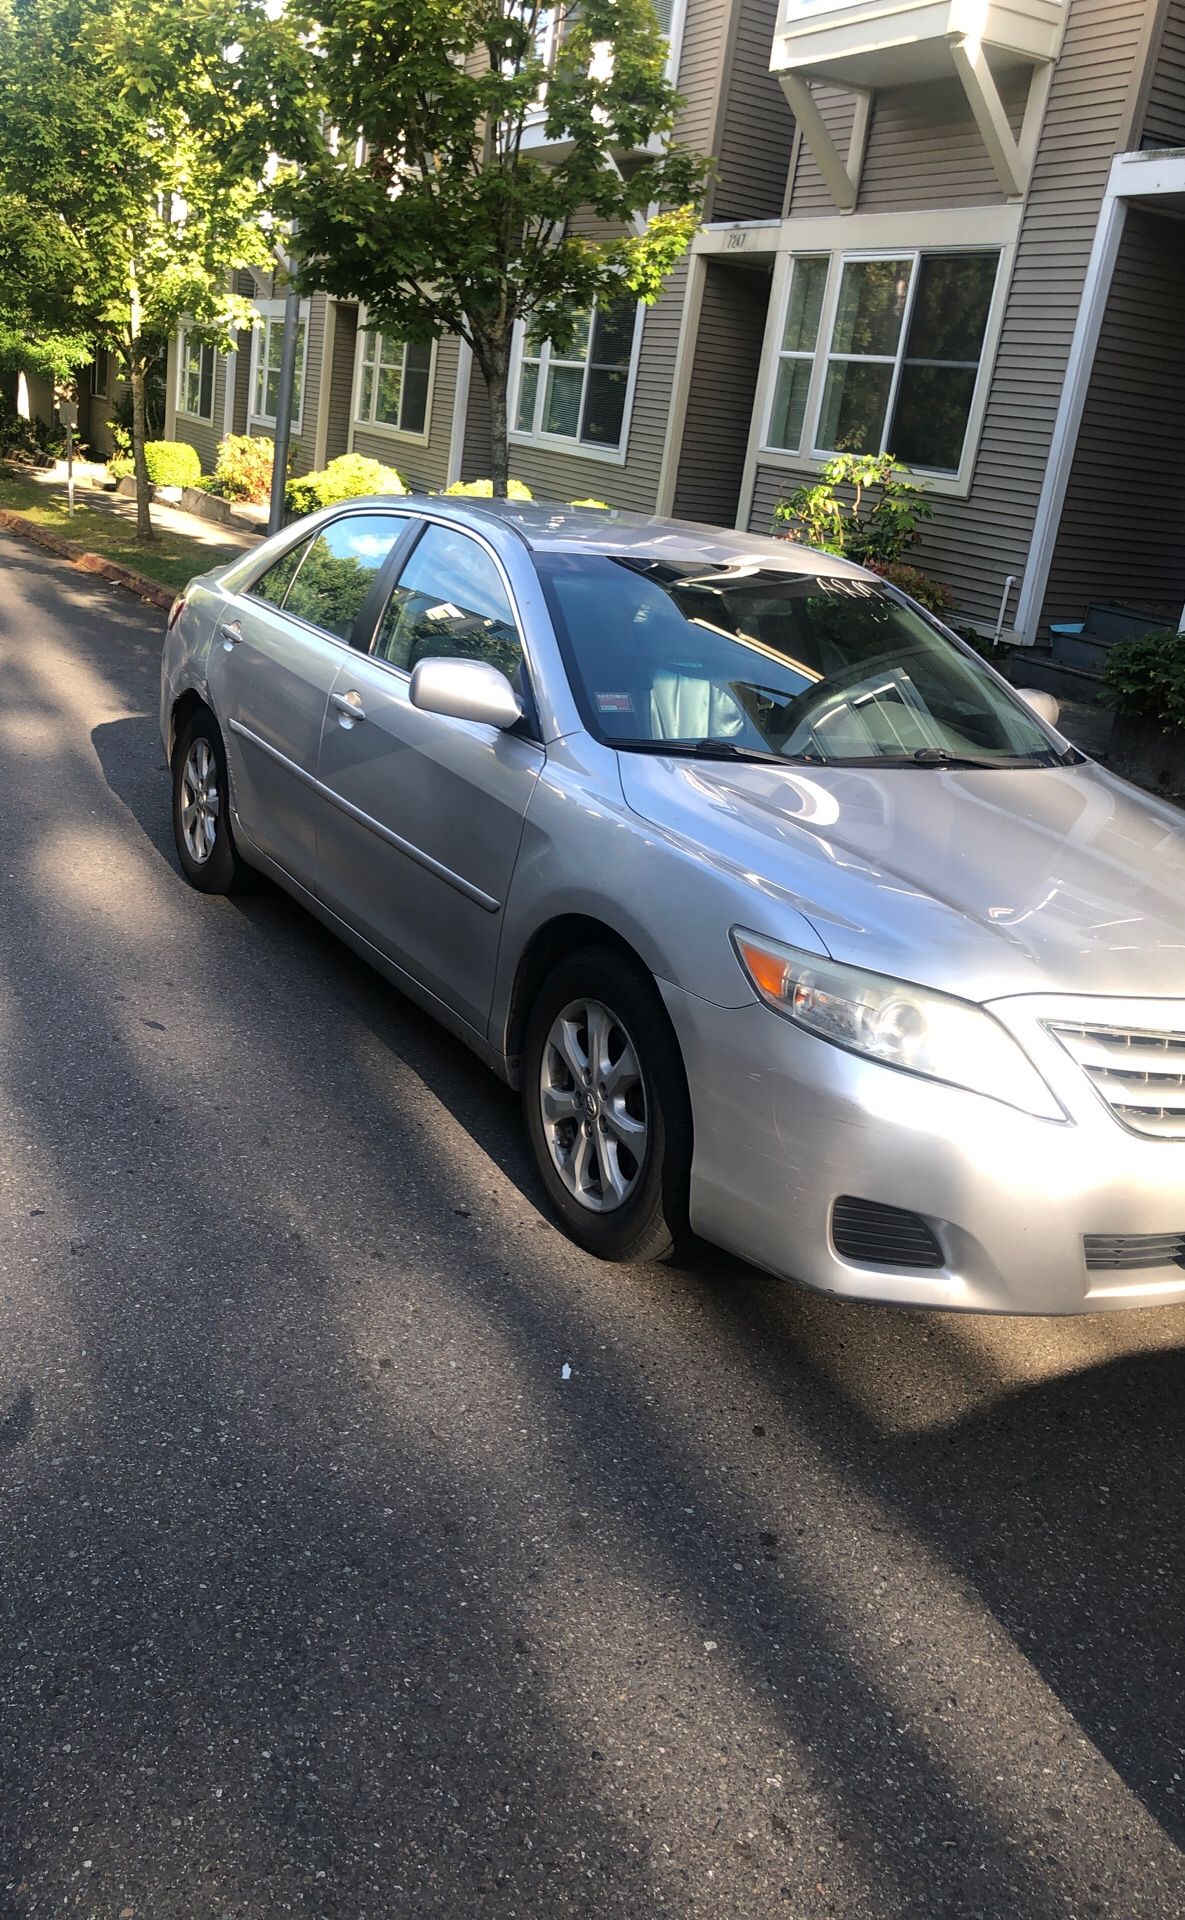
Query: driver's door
pixel 418 845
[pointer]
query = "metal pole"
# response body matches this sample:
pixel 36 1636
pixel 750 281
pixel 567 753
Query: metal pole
pixel 275 518
pixel 70 469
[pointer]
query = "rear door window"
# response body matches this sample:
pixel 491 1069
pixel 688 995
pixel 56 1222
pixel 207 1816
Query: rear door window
pixel 274 584
pixel 339 568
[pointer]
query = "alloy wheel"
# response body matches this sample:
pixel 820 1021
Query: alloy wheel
pixel 592 1102
pixel 200 800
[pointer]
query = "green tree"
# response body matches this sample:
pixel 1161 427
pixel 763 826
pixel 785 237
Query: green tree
pixel 137 217
pixel 414 185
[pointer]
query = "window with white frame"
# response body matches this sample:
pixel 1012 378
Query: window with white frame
pixel 578 392
pixel 883 352
pixel 265 384
pixel 100 373
pixel 393 381
pixel 195 378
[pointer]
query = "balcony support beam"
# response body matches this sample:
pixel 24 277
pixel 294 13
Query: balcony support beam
pixel 1011 159
pixel 841 173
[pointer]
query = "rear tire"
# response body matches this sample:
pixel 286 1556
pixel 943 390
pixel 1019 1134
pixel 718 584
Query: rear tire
pixel 607 1109
pixel 206 849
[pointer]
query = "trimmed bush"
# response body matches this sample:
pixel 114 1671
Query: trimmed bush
pixel 603 504
pixel 349 477
pixel 172 463
pixel 484 490
pixel 243 469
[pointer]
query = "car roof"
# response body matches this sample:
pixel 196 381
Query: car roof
pixel 552 527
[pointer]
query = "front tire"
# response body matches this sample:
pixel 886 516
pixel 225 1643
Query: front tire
pixel 607 1110
pixel 206 849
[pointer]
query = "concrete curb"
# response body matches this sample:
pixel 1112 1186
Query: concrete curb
pixel 137 583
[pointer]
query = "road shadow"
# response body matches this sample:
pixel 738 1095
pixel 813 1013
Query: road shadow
pixel 17 1423
pixel 1057 1504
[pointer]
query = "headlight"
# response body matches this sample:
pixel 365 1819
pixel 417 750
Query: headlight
pixel 893 1021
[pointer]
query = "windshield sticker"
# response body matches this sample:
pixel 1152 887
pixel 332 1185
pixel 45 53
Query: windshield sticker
pixel 615 703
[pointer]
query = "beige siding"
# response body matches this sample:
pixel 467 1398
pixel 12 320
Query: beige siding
pixel 422 467
pixel 1122 533
pixel 341 375
pixel 974 544
pixel 756 126
pixel 1164 120
pixel 723 379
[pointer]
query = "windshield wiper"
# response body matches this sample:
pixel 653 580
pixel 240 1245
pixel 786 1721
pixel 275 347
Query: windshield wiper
pixel 716 750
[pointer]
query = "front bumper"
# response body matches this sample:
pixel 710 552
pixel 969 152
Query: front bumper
pixel 785 1124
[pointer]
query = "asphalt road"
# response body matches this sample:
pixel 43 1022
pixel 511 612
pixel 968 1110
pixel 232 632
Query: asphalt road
pixel 323 1593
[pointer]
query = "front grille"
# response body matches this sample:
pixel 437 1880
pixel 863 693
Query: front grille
pixel 1124 1252
pixel 873 1235
pixel 1141 1075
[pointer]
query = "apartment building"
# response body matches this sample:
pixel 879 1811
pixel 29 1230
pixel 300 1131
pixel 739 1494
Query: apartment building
pixel 946 227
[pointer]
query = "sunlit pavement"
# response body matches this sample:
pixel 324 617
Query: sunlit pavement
pixel 322 1592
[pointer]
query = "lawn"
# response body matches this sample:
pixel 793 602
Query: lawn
pixel 172 559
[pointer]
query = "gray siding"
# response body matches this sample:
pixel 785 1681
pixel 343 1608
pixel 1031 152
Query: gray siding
pixel 701 63
pixel 1122 533
pixel 303 453
pixel 565 475
pixel 341 377
pixel 204 435
pixel 422 468
pixel 756 130
pixel 973 544
pixel 923 150
pixel 1164 118
pixel 723 379
pixel 242 382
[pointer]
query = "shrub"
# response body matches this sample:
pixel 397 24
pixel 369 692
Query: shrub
pixel 930 594
pixel 243 468
pixel 172 463
pixel 591 503
pixel 484 490
pixel 865 507
pixel 349 477
pixel 1147 676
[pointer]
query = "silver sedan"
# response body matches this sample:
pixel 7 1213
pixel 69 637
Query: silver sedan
pixel 796 926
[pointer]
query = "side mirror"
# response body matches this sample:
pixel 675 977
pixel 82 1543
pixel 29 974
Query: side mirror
pixel 465 690
pixel 1042 704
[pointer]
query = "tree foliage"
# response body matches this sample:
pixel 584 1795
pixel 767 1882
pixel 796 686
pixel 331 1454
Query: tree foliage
pixel 415 185
pixel 132 219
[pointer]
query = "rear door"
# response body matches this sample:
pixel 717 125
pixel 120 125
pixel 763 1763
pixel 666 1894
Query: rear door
pixel 418 850
pixel 276 654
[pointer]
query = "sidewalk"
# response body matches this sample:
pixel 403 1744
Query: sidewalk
pixel 100 537
pixel 189 526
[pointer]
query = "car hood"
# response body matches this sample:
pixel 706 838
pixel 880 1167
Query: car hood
pixel 981 882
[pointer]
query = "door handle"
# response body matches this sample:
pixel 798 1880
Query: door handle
pixel 349 705
pixel 231 633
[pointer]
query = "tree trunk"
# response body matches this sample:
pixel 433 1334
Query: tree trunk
pixel 496 372
pixel 136 371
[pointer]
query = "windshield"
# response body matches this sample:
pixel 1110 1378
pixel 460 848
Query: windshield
pixel 748 661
